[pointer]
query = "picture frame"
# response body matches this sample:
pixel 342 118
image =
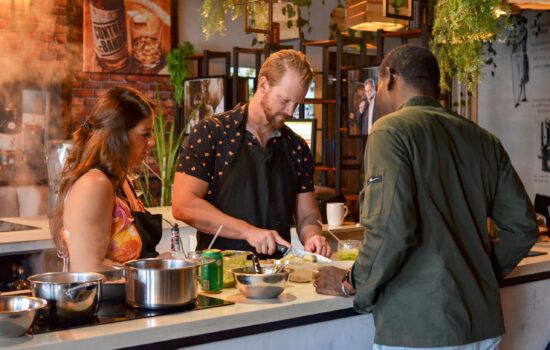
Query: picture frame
pixel 251 11
pixel 403 12
pixel 204 96
pixel 130 37
pixel 306 129
pixel 282 17
pixel 362 111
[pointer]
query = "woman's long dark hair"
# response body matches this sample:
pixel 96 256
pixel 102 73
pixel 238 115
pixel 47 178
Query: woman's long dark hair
pixel 101 142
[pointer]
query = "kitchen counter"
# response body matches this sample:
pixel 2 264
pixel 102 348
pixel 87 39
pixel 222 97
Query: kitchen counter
pixel 299 315
pixel 298 310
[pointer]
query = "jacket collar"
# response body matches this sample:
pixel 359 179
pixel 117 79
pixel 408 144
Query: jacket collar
pixel 420 100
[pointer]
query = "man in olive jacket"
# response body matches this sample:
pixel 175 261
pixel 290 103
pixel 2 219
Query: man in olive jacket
pixel 428 268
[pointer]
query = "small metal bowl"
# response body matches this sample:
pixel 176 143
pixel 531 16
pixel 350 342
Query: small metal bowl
pixel 260 286
pixel 17 314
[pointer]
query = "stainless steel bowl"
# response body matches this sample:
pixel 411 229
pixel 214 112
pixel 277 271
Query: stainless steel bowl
pixel 17 314
pixel 70 295
pixel 260 286
pixel 161 283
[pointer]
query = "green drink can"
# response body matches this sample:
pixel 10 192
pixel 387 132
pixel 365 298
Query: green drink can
pixel 212 274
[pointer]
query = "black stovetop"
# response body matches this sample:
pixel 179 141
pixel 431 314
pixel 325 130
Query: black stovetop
pixel 116 311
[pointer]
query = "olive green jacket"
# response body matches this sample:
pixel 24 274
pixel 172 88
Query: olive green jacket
pixel 428 269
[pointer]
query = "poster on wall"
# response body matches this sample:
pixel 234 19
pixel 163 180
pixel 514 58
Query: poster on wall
pixel 131 36
pixel 513 98
pixel 203 97
pixel 362 86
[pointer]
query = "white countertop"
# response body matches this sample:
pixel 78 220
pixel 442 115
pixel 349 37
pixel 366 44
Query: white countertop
pixel 298 300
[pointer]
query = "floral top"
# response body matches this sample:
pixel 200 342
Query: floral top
pixel 125 241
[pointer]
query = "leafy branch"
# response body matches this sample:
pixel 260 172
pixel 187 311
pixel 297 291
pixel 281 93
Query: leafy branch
pixel 177 67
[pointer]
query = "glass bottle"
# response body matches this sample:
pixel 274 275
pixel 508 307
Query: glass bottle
pixel 176 248
pixel 108 19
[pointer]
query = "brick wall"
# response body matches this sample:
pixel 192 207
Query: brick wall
pixel 45 45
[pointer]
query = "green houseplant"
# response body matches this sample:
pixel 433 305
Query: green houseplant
pixel 168 143
pixel 177 68
pixel 460 30
pixel 168 140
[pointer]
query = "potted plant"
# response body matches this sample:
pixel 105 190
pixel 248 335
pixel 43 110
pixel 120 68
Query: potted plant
pixel 168 140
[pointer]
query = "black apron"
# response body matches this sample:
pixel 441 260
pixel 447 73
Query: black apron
pixel 260 187
pixel 149 227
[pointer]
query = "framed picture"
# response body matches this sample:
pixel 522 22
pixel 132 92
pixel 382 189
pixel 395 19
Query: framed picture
pixel 203 97
pixel 400 9
pixel 127 36
pixel 362 112
pixel 306 128
pixel 257 16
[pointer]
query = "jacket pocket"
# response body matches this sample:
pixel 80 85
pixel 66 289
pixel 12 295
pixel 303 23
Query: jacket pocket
pixel 372 194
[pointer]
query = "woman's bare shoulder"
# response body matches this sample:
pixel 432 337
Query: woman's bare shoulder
pixel 94 182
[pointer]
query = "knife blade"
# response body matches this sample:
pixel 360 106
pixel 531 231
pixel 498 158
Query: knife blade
pixel 300 253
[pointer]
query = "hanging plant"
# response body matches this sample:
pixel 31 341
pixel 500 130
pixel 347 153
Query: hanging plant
pixel 461 28
pixel 177 68
pixel 214 13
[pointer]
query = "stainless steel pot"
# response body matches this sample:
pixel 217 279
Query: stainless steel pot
pixel 161 283
pixel 70 295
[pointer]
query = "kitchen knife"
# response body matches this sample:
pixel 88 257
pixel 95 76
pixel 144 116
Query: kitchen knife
pixel 299 253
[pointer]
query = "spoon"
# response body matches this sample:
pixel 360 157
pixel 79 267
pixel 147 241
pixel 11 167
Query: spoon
pixel 280 266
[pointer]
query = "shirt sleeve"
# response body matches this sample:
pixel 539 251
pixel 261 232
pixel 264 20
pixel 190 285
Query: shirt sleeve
pixel 389 188
pixel 197 154
pixel 514 215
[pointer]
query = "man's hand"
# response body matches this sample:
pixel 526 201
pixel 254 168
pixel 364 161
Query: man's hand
pixel 317 244
pixel 329 280
pixel 264 241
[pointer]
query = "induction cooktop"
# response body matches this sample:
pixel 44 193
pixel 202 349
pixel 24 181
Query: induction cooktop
pixel 117 311
pixel 6 226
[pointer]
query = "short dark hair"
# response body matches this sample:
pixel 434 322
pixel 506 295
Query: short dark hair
pixel 416 65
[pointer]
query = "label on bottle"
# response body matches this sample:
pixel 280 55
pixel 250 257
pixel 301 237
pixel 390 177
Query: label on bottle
pixel 109 33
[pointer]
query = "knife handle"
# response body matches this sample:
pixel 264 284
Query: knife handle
pixel 281 248
pixel 256 263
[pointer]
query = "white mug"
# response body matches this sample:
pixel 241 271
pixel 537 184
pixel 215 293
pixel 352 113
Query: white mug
pixel 336 212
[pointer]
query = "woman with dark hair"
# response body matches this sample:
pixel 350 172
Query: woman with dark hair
pixel 99 221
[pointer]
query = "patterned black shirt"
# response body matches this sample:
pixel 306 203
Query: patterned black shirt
pixel 214 142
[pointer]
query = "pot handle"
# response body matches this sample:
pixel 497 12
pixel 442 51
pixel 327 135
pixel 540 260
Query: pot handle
pixel 72 293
